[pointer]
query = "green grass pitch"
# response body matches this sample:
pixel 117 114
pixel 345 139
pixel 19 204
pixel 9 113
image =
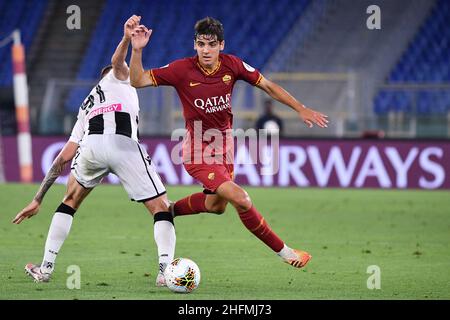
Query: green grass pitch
pixel 405 233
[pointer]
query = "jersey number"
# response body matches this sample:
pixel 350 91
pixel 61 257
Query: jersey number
pixel 89 102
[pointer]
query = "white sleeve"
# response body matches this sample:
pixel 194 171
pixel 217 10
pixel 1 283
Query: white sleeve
pixel 77 131
pixel 112 77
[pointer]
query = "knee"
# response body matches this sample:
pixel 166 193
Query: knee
pixel 218 208
pixel 157 205
pixel 75 195
pixel 72 201
pixel 242 201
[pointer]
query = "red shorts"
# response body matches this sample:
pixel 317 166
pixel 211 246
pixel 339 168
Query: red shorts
pixel 211 175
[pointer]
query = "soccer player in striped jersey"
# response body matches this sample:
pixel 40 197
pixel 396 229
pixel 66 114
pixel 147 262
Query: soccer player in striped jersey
pixel 204 84
pixel 103 140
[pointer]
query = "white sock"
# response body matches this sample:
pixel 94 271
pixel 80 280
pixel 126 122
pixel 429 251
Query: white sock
pixel 58 232
pixel 165 238
pixel 287 253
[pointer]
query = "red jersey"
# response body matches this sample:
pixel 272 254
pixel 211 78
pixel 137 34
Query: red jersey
pixel 206 95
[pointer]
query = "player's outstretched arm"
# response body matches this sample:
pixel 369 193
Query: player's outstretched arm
pixel 66 155
pixel 138 76
pixel 120 67
pixel 309 116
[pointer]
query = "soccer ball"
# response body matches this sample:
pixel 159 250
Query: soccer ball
pixel 182 275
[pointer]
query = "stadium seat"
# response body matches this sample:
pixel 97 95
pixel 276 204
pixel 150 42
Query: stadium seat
pixel 23 15
pixel 426 60
pixel 246 34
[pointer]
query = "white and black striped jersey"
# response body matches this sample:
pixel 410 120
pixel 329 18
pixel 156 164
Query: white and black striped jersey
pixel 112 107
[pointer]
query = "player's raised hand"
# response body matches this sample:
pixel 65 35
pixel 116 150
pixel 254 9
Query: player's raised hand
pixel 140 37
pixel 27 212
pixel 311 117
pixel 130 25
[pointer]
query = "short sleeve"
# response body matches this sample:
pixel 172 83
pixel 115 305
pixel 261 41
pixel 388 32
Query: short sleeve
pixel 168 75
pixel 112 77
pixel 78 129
pixel 245 72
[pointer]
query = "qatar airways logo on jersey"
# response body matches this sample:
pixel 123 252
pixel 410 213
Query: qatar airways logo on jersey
pixel 214 104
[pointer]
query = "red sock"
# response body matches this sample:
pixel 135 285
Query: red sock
pixel 254 222
pixel 193 204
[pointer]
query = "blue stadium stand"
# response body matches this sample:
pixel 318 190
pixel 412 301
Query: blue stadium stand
pixel 253 31
pixel 24 15
pixel 426 60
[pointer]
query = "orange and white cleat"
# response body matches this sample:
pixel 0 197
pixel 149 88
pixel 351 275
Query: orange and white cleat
pixel 34 271
pixel 301 260
pixel 160 280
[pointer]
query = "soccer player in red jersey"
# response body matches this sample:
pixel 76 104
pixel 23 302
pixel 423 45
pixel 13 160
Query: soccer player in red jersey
pixel 204 84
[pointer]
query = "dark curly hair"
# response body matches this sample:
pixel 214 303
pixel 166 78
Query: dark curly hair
pixel 209 27
pixel 105 71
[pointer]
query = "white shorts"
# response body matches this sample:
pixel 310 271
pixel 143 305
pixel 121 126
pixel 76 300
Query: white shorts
pixel 100 154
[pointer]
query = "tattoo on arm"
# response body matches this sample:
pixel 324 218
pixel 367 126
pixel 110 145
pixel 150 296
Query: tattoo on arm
pixel 54 172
